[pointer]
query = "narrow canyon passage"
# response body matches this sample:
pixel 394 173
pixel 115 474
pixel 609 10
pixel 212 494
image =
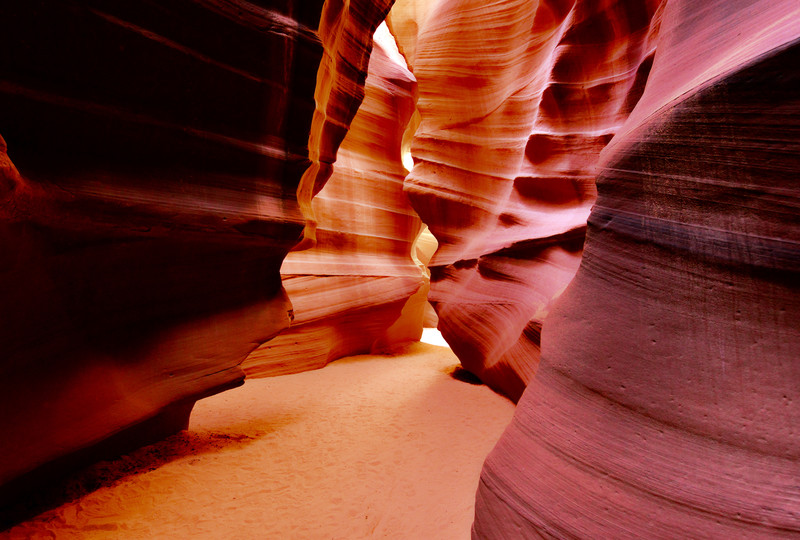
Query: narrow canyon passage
pixel 595 202
pixel 367 447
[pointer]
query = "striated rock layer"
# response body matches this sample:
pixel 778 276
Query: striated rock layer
pixel 517 99
pixel 350 289
pixel 667 402
pixel 158 151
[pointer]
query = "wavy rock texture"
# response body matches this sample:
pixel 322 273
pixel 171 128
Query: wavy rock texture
pixel 349 290
pixel 407 20
pixel 667 401
pixel 160 149
pixel 517 100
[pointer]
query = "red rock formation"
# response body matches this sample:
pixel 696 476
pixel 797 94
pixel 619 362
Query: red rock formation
pixel 666 404
pixel 517 100
pixel 160 148
pixel 352 286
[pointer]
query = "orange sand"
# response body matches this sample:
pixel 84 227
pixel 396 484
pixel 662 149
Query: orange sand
pixel 368 447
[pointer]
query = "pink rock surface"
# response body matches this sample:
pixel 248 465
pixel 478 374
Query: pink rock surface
pixel 516 101
pixel 666 404
pixel 160 148
pixel 350 289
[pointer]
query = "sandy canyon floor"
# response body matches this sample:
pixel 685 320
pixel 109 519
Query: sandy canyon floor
pixel 368 447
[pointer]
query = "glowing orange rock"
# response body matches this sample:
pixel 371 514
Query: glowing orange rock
pixel 351 287
pixel 516 102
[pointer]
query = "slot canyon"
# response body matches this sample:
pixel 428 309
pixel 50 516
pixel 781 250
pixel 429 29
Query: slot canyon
pixel 226 225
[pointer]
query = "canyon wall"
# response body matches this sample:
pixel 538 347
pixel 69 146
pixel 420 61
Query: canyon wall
pixel 158 161
pixel 350 289
pixel 667 403
pixel 516 100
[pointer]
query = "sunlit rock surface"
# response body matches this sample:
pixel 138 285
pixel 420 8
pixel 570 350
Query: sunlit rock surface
pixel 407 20
pixel 667 401
pixel 516 99
pixel 161 150
pixel 350 288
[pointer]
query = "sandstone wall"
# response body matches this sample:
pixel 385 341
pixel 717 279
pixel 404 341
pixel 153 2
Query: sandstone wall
pixel 159 153
pixel 666 404
pixel 516 100
pixel 350 289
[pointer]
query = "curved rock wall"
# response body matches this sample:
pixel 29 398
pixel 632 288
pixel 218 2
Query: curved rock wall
pixel 667 401
pixel 160 148
pixel 517 99
pixel 350 288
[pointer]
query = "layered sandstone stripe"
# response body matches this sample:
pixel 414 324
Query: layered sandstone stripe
pixel 353 285
pixel 516 100
pixel 667 401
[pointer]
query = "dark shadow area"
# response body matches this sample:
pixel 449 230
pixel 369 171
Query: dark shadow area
pixel 461 374
pixel 70 487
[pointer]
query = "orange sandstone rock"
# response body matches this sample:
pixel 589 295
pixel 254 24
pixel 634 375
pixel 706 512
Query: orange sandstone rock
pixel 516 99
pixel 353 285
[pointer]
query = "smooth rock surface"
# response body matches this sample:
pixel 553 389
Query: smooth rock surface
pixel 516 100
pixel 158 150
pixel 359 289
pixel 667 401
